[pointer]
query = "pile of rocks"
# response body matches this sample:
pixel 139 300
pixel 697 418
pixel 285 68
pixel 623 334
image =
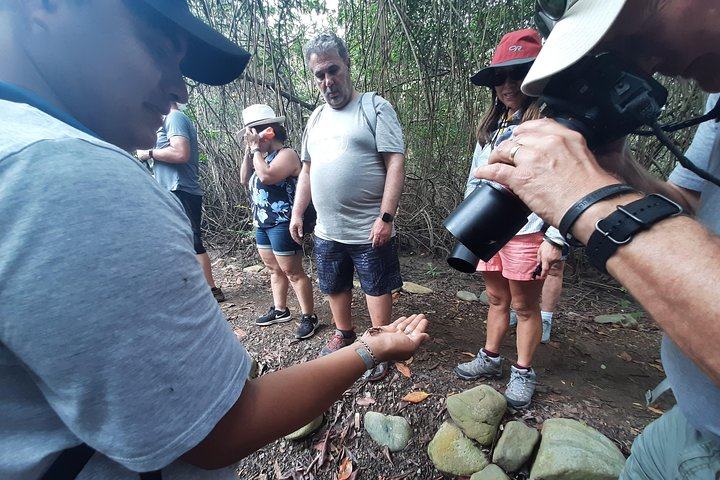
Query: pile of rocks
pixel 567 448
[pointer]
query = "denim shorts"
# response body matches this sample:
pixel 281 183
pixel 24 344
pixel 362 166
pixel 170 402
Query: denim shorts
pixel 278 239
pixel 378 268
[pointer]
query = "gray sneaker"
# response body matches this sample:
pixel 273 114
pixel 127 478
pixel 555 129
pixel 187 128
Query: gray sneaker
pixel 520 388
pixel 547 328
pixel 483 366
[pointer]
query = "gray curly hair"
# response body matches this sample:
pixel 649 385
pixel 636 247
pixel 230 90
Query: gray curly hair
pixel 325 42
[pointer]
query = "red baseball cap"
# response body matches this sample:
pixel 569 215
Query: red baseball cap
pixel 515 48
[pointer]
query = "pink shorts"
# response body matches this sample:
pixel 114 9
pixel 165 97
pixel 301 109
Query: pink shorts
pixel 517 260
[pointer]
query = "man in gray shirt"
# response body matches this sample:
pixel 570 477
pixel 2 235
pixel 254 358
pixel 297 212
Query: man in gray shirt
pixel 177 167
pixel 357 150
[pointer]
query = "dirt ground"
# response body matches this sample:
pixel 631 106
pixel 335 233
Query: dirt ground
pixel 591 372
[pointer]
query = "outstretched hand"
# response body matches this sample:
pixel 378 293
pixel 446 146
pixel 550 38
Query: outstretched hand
pixel 399 340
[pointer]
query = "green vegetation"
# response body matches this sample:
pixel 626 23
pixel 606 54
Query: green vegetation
pixel 416 53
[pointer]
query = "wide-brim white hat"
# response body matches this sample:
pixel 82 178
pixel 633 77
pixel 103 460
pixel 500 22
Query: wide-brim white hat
pixel 573 36
pixel 259 114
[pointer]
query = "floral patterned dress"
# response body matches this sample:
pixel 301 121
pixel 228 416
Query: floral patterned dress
pixel 272 204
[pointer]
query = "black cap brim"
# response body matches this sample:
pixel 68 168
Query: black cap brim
pixel 484 77
pixel 211 58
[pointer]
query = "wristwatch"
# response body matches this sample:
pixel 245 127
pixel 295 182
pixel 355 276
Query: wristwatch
pixel 150 154
pixel 387 218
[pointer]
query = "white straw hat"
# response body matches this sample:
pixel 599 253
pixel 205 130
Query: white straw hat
pixel 259 114
pixel 580 29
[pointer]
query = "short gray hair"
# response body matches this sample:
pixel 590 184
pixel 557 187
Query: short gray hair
pixel 324 42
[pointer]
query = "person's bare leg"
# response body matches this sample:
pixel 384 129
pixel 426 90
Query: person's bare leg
pixel 292 267
pixel 526 302
pixel 340 308
pixel 553 288
pixel 278 281
pixel 380 309
pixel 204 260
pixel 498 292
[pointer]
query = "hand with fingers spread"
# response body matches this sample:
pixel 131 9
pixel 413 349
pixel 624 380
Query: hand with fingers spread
pixel 400 339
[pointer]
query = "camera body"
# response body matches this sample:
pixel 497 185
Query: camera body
pixel 602 100
pixel 597 97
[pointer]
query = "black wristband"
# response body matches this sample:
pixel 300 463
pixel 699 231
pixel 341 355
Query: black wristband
pixel 571 216
pixel 618 228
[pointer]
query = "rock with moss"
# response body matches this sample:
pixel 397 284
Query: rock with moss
pixel 452 452
pixel 390 431
pixel 478 412
pixel 516 446
pixel 570 450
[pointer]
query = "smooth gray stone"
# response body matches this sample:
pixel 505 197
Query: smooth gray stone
pixel 390 431
pixel 466 296
pixel 570 450
pixel 452 452
pixel 306 430
pixel 624 319
pixel 478 412
pixel 516 446
pixel 491 472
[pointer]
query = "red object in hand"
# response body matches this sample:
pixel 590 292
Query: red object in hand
pixel 267 134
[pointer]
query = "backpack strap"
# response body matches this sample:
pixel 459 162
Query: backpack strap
pixel 314 116
pixel 367 100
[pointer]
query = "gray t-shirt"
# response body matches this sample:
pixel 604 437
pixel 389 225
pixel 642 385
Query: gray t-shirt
pixel 697 396
pixel 109 334
pixel 348 173
pixel 178 176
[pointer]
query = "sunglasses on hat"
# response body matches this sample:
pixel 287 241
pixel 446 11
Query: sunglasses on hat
pixel 516 73
pixel 548 12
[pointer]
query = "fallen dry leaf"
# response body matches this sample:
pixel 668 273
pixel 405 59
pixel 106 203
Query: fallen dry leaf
pixel 409 361
pixel 346 468
pixel 469 354
pixel 365 401
pixel 655 410
pixel 625 356
pixel 416 396
pixel 403 369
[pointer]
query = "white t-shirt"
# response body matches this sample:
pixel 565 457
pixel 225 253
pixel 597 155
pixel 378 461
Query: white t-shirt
pixel 109 332
pixel 348 172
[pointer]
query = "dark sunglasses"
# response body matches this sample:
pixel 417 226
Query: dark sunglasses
pixel 517 74
pixel 548 12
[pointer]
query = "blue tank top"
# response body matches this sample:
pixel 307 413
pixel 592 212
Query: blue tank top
pixel 272 204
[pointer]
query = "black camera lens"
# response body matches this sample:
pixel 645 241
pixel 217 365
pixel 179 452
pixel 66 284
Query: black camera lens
pixel 462 259
pixel 487 219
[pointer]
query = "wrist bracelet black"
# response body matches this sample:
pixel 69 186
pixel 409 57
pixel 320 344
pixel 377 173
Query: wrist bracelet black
pixel 571 216
pixel 618 228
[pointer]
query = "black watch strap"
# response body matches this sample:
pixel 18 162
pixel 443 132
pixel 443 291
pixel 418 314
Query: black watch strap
pixel 387 217
pixel 618 228
pixel 571 216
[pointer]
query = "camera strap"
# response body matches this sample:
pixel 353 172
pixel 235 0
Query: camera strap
pixel 618 228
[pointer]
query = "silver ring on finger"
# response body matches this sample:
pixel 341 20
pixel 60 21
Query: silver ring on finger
pixel 513 152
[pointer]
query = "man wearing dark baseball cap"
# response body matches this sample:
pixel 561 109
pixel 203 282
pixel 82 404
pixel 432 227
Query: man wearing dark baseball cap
pixel 114 356
pixel 669 262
